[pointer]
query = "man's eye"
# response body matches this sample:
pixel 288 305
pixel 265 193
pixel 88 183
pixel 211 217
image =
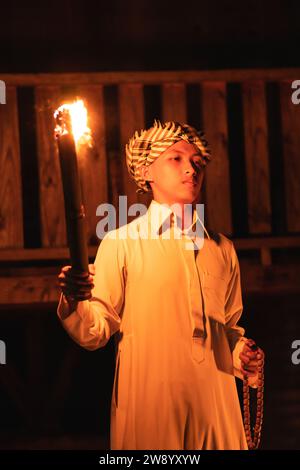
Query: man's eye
pixel 175 158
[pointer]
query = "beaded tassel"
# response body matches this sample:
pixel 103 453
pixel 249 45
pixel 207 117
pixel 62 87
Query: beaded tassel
pixel 253 442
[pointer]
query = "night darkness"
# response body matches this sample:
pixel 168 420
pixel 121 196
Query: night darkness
pixel 54 394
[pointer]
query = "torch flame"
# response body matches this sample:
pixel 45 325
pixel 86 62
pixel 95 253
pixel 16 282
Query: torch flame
pixel 72 117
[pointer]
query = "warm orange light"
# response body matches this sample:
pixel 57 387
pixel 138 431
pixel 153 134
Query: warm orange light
pixel 73 117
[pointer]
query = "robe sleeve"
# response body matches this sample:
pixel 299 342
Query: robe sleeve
pixel 233 312
pixel 94 321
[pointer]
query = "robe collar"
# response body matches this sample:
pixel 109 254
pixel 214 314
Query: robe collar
pixel 163 216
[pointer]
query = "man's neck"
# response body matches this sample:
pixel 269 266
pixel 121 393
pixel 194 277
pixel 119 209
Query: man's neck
pixel 183 211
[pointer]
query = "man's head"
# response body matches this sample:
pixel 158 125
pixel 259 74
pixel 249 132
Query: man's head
pixel 168 159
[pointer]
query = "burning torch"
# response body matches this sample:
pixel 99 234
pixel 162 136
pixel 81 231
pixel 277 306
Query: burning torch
pixel 71 131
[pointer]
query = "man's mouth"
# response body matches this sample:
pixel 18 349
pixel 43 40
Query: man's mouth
pixel 190 182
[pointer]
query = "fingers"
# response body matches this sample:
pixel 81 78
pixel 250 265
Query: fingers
pixel 247 350
pixel 249 369
pixel 71 280
pixel 251 360
pixel 72 275
pixel 76 285
pixel 248 373
pixel 92 269
pixel 260 354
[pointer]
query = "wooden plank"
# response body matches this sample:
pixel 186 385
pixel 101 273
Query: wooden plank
pixel 53 226
pixel 257 158
pixel 265 256
pixel 11 216
pixel 93 161
pixel 217 178
pixel 150 78
pixel 28 289
pixel 63 253
pixel 267 242
pixel 174 102
pixel 290 114
pixel 39 254
pixel 255 278
pixel 132 118
pixel 269 279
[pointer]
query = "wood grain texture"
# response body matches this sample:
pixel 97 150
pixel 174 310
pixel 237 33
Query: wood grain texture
pixel 92 161
pixel 174 102
pixel 257 157
pixel 28 289
pixel 53 227
pixel 255 278
pixel 290 115
pixel 253 243
pixel 150 78
pixel 19 254
pixel 217 178
pixel 132 118
pixel 11 217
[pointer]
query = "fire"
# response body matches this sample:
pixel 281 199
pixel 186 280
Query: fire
pixel 73 118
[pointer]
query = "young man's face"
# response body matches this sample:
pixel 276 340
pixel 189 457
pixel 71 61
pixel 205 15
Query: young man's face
pixel 177 174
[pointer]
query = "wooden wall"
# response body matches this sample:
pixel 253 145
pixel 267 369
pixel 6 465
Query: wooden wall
pixel 252 185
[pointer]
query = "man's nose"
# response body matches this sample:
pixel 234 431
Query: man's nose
pixel 190 169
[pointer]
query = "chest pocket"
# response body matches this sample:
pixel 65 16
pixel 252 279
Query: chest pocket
pixel 214 290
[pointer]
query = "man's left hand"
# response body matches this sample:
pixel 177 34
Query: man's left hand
pixel 250 360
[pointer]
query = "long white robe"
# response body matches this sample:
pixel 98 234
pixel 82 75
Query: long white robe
pixel 174 312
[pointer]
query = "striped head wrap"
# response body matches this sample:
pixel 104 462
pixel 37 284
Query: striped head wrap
pixel 144 147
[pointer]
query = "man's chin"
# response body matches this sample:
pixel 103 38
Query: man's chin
pixel 187 200
pixel 189 197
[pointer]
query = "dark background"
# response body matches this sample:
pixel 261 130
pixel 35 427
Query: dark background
pixel 77 36
pixel 148 35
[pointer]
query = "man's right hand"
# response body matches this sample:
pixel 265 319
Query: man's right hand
pixel 75 285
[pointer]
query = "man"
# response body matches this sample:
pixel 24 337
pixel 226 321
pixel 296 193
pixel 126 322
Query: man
pixel 174 309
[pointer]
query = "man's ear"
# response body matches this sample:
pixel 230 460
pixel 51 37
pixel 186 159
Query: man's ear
pixel 146 173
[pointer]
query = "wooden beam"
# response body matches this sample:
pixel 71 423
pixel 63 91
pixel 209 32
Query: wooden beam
pixel 267 242
pixel 43 288
pixel 269 279
pixel 53 227
pixel 257 158
pixel 36 254
pixel 217 178
pixel 174 102
pixel 44 254
pixel 11 216
pixel 290 115
pixel 156 77
pixel 132 118
pixel 28 289
pixel 265 256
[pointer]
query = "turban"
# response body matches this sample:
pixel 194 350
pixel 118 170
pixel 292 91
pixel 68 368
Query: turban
pixel 144 147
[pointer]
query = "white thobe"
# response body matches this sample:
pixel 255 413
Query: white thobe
pixel 174 312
